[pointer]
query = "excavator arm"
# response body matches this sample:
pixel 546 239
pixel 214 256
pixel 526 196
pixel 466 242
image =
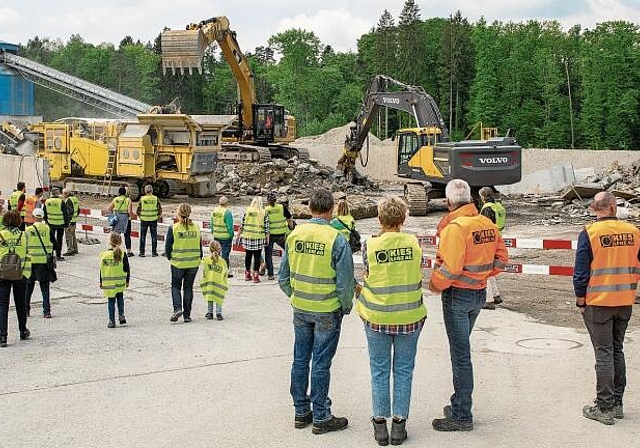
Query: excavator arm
pixel 411 99
pixel 184 49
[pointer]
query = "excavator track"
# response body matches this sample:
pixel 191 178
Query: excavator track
pixel 415 195
pixel 239 153
pixel 94 186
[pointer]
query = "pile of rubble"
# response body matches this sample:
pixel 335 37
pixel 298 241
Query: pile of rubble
pixel 292 178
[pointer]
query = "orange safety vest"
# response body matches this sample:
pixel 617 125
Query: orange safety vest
pixel 615 269
pixel 471 249
pixel 30 204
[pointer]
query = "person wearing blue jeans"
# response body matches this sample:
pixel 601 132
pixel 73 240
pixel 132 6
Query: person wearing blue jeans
pixel 182 289
pixel 470 251
pixel 316 273
pixel 152 227
pixel 221 225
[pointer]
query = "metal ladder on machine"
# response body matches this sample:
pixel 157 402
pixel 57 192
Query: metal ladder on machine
pixel 111 165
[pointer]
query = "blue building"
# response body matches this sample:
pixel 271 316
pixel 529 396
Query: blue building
pixel 16 93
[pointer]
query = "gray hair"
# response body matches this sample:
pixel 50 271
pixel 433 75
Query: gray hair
pixel 458 193
pixel 321 201
pixel 66 192
pixel 148 188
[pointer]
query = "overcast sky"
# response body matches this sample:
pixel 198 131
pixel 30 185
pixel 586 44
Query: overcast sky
pixel 337 23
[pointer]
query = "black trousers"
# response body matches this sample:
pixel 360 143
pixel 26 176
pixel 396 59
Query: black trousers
pixel 19 288
pixel 56 239
pixel 607 326
pixel 255 255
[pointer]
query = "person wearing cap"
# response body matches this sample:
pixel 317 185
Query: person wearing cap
pixel 497 214
pixel 39 245
pixel 57 217
pixel 221 226
pixel 73 209
pixel 279 217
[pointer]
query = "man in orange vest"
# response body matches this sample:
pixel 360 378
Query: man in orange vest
pixel 605 279
pixel 470 251
pixel 31 203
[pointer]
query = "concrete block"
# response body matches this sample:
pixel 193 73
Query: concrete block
pixel 548 180
pixel 34 172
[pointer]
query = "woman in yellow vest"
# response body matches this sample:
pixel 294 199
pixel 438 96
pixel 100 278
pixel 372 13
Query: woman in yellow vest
pixel 40 247
pixel 214 284
pixel 497 214
pixel 114 278
pixel 254 235
pixel 13 240
pixel 392 308
pixel 184 248
pixel 123 207
pixel 343 221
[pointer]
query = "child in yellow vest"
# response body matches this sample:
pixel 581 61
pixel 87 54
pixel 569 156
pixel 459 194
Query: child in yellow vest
pixel 214 284
pixel 114 278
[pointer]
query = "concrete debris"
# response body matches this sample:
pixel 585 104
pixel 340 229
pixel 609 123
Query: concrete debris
pixel 360 206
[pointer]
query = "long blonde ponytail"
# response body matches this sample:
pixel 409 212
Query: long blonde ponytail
pixel 184 212
pixel 215 249
pixel 115 240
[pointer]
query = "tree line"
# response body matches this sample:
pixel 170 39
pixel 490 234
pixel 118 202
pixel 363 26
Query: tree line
pixel 548 86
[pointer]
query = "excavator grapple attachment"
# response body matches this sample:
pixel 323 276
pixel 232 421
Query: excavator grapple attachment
pixel 182 50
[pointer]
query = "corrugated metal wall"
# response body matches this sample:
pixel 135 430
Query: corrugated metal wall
pixel 16 93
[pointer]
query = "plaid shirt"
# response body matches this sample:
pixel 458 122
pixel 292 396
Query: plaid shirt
pixel 255 244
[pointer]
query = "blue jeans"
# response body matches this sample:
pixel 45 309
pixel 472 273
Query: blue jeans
pixel 44 289
pixel 152 226
pixel 225 245
pixel 182 281
pixel 380 361
pixel 268 251
pixel 316 341
pixel 460 308
pixel 112 306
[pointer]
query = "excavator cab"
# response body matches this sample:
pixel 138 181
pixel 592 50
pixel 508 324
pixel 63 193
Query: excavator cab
pixel 268 122
pixel 415 154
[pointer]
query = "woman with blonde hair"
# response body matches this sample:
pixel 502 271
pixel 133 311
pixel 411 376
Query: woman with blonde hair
pixel 254 235
pixel 183 247
pixel 114 278
pixel 393 312
pixel 214 283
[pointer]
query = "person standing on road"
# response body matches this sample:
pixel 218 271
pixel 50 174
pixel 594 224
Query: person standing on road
pixel 343 221
pixel 73 209
pixel 149 211
pixel 605 278
pixel 393 312
pixel 470 251
pixel 254 235
pixel 214 283
pixel 16 201
pixel 279 218
pixel 497 214
pixel 221 225
pixel 57 217
pixel 31 203
pixel 184 248
pixel 123 208
pixel 40 247
pixel 115 274
pixel 316 273
pixel 13 240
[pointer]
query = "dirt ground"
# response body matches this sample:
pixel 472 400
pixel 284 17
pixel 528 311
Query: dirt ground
pixel 547 299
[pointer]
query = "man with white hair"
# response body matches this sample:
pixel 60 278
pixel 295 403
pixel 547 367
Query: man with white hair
pixel 73 210
pixel 40 247
pixel 470 251
pixel 149 211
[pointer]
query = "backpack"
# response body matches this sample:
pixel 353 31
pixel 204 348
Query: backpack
pixel 11 262
pixel 355 242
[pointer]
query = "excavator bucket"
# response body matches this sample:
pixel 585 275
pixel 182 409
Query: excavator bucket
pixel 182 50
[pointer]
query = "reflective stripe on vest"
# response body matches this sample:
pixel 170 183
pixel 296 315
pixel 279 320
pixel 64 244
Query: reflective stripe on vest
pixel 12 236
pixel 220 230
pixel 392 292
pixel 14 199
pixel 54 212
pixel 112 274
pixel 277 221
pixel 149 208
pixel 214 284
pixel 313 279
pixel 75 207
pixel 34 246
pixel 185 252
pixel 615 269
pixel 253 227
pixel 500 213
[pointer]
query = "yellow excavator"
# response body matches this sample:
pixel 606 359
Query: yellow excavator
pixel 261 131
pixel 425 154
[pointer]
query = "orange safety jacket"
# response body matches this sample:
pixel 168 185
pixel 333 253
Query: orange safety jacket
pixel 465 210
pixel 470 251
pixel 30 204
pixel 615 269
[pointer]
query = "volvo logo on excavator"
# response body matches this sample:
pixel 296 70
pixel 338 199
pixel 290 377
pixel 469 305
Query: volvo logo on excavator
pixel 493 160
pixel 388 100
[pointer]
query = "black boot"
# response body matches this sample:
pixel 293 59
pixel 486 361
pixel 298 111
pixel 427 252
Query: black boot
pixel 380 432
pixel 398 432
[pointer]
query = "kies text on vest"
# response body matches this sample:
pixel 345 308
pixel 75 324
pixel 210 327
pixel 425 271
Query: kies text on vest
pixel 484 236
pixel 310 248
pixel 617 240
pixel 394 255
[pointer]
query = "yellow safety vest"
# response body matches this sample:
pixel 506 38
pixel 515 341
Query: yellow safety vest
pixel 13 202
pixel 342 221
pixel 313 279
pixel 75 207
pixel 34 246
pixel 277 221
pixel 253 227
pixel 114 278
pixel 392 292
pixel 12 236
pixel 185 252
pixel 55 217
pixel 121 204
pixel 214 283
pixel 500 213
pixel 149 208
pixel 220 231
